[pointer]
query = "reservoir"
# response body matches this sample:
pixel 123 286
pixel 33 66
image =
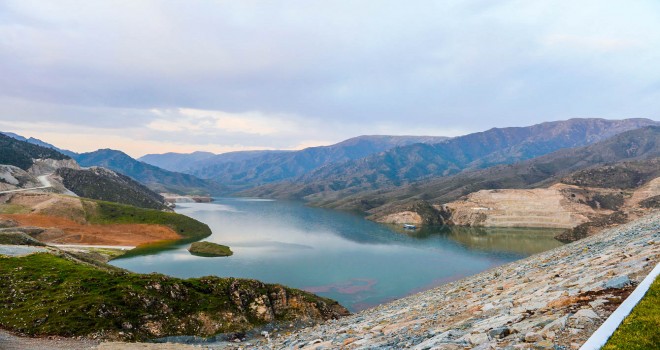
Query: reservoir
pixel 336 254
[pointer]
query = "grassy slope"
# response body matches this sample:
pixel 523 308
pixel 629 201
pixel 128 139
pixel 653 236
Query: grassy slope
pixel 45 294
pixel 114 213
pixel 209 249
pixel 641 329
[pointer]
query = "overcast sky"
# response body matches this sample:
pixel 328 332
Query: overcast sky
pixel 160 76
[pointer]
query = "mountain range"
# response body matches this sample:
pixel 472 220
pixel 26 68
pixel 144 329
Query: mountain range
pixel 157 179
pixel 404 165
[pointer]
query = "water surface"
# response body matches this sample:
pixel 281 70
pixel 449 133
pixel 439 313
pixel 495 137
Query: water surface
pixel 335 254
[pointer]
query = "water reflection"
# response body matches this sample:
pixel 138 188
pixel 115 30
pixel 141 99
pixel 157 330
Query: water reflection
pixel 335 254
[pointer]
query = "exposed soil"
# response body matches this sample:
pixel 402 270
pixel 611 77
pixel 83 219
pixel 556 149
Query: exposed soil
pixel 65 231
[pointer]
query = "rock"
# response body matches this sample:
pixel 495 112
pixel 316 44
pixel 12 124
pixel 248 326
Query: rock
pixel 499 332
pixel 476 339
pixel 8 223
pixel 533 337
pixel 556 325
pixel 582 318
pixel 543 345
pixel 618 282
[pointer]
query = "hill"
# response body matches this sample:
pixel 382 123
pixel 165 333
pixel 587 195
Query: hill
pixel 631 157
pixel 106 185
pixel 278 166
pixel 21 154
pixel 155 178
pixel 406 165
pixel 83 299
pixel 38 142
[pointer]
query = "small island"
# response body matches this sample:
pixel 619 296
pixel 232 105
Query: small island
pixel 208 249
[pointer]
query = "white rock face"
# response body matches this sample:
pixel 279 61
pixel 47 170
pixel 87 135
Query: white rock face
pixel 48 166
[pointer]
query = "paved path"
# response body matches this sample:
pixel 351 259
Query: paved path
pixel 45 183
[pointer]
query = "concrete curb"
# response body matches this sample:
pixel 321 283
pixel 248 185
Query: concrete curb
pixel 605 331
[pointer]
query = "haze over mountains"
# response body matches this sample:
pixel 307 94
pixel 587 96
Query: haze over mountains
pixel 374 174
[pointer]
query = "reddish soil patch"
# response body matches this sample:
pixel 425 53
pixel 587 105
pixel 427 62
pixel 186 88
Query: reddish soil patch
pixel 64 231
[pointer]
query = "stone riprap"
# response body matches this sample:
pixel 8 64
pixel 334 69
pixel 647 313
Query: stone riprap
pixel 553 300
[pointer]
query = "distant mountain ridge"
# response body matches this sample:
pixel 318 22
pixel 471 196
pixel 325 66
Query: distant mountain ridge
pixel 38 142
pixel 565 165
pixel 21 153
pixel 409 164
pixel 157 179
pixel 187 162
pixel 278 166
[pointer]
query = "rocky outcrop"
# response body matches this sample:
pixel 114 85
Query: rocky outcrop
pixel 49 166
pixel 418 213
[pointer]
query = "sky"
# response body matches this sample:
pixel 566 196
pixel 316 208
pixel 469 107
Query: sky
pixel 181 76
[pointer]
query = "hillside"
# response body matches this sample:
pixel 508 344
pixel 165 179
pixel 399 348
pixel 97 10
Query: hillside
pixel 38 142
pixel 21 154
pixel 157 179
pixel 106 185
pixel 642 145
pixel 405 165
pixel 64 219
pixel 278 166
pixel 97 300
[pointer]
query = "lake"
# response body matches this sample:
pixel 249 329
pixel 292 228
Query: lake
pixel 336 254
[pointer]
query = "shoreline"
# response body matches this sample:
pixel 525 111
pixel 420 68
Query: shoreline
pixel 551 298
pixel 536 301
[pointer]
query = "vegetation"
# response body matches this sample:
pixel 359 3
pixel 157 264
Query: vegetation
pixel 102 184
pixel 101 212
pixel 157 179
pixel 209 249
pixel 638 150
pixel 45 294
pixel 640 329
pixel 20 153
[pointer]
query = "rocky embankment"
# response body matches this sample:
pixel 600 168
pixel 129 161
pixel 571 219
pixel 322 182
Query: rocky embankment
pixel 553 300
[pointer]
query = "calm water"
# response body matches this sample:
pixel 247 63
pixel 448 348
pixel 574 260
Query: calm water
pixel 335 254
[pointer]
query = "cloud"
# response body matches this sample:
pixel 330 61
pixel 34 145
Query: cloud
pixel 280 75
pixel 197 121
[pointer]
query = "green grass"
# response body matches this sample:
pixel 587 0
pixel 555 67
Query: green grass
pixel 45 294
pixel 13 209
pixel 209 249
pixel 115 213
pixel 641 329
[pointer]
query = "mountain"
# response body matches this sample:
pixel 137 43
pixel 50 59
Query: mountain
pixel 21 153
pixel 278 166
pixel 401 166
pixel 624 161
pixel 155 178
pixel 38 142
pixel 175 161
pixel 107 185
pixel 188 162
